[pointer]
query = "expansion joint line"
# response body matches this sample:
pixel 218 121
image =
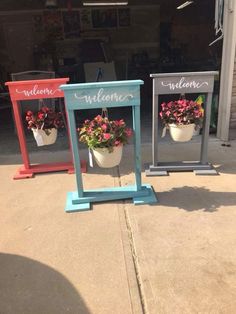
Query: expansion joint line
pixel 133 252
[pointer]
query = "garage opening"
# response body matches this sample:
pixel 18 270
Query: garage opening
pixel 89 42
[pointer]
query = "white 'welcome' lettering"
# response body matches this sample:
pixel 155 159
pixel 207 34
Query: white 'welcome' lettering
pixel 183 83
pixel 102 97
pixel 36 91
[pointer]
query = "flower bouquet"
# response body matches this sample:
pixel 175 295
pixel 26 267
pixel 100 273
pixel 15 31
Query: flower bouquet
pixel 106 139
pixel 44 125
pixel 181 117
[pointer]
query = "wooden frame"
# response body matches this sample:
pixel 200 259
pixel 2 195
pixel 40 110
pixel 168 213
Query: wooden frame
pixel 178 83
pixel 110 95
pixel 35 89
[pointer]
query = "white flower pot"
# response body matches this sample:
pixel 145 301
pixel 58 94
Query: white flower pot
pixel 181 132
pixel 106 159
pixel 42 138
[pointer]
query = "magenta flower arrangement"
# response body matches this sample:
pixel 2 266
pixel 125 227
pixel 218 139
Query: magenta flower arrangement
pixel 44 119
pixel 181 112
pixel 104 133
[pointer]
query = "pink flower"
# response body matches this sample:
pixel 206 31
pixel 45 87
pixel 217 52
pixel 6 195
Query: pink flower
pixel 163 105
pixel 41 116
pixel 89 130
pixel 102 132
pixel 181 102
pixel 128 132
pixel 107 136
pixel 104 127
pixel 119 122
pixel 98 118
pixel 45 109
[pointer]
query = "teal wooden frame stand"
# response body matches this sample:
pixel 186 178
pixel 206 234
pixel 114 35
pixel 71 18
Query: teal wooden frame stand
pixel 109 95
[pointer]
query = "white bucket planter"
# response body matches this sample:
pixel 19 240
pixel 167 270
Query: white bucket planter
pixel 42 138
pixel 106 159
pixel 181 132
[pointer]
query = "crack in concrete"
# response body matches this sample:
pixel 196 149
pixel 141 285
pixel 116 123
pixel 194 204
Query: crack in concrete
pixel 133 252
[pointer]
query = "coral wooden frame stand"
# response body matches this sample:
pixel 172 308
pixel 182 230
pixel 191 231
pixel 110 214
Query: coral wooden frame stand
pixel 28 90
pixel 100 95
pixel 182 83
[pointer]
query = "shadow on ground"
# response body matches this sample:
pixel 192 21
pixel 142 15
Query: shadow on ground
pixel 227 167
pixel 196 198
pixel 30 287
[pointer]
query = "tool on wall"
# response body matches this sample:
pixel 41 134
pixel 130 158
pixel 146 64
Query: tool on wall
pixel 219 12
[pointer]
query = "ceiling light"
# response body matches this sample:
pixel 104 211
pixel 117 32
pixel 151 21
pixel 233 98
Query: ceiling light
pixel 51 3
pixel 104 3
pixel 185 4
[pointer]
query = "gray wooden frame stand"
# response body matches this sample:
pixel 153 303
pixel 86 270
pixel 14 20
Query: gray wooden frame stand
pixel 182 83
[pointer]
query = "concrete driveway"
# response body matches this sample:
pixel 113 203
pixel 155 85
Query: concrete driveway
pixel 176 257
pixel 52 262
pixel 185 246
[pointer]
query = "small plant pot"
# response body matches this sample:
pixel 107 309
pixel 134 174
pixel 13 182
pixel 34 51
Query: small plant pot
pixel 181 132
pixel 45 138
pixel 106 159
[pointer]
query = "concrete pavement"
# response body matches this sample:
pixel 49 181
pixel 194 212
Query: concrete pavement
pixel 185 246
pixel 176 257
pixel 55 262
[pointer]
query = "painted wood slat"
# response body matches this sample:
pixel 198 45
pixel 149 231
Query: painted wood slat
pixel 75 150
pixel 84 86
pixel 138 198
pixel 36 89
pixel 106 97
pixel 184 84
pixel 205 73
pixel 108 194
pixel 137 146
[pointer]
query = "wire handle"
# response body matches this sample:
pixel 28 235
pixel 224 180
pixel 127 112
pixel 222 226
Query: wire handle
pixel 41 104
pixel 105 113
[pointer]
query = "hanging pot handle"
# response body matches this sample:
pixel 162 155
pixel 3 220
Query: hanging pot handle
pixel 90 157
pixel 104 112
pixel 41 103
pixel 182 96
pixel 164 131
pixel 43 122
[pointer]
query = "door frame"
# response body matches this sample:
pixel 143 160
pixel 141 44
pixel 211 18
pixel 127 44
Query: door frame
pixel 227 70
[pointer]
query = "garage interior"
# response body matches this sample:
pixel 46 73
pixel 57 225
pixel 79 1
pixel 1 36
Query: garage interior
pixel 77 39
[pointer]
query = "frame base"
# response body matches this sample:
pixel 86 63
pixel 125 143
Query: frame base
pixel 75 204
pixel 206 172
pixel 20 175
pixel 24 173
pixel 163 168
